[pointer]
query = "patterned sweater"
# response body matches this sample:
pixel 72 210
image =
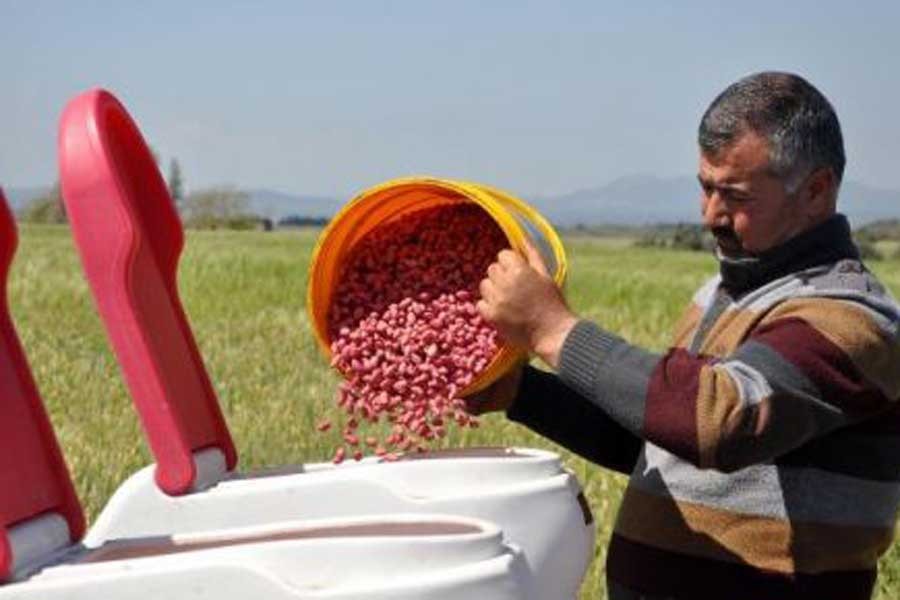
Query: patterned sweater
pixel 763 447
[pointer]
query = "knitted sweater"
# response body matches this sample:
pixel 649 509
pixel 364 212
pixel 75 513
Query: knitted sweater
pixel 763 447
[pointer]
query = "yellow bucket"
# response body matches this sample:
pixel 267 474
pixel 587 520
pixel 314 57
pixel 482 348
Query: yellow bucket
pixel 383 203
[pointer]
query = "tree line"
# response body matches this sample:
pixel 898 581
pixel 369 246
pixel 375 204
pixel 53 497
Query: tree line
pixel 218 207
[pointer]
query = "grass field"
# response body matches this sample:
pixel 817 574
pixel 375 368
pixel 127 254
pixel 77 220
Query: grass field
pixel 244 293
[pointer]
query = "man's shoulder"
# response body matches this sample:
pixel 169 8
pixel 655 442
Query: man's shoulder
pixel 843 316
pixel 847 275
pixel 850 281
pixel 847 282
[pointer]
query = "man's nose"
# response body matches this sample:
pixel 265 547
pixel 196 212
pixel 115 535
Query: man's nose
pixel 715 210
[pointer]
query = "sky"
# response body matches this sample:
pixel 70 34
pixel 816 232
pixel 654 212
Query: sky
pixel 328 98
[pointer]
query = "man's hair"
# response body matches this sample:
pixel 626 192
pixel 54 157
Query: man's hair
pixel 797 121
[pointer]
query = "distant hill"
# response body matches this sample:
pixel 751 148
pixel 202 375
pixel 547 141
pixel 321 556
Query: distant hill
pixel 645 199
pixel 864 204
pixel 277 205
pixel 264 202
pixel 631 200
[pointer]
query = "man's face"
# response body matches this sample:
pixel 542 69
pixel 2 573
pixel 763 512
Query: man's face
pixel 746 207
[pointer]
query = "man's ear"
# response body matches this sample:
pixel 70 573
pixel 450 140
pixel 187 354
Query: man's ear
pixel 820 194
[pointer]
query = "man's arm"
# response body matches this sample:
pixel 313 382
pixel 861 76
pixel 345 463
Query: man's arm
pixel 551 408
pixel 812 366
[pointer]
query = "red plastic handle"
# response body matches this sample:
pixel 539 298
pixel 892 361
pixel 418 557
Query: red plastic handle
pixel 130 238
pixel 33 474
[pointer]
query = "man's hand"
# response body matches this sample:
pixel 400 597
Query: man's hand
pixel 522 301
pixel 500 395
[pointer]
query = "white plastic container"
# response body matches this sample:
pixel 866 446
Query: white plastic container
pixel 525 492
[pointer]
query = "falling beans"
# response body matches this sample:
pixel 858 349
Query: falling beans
pixel 405 330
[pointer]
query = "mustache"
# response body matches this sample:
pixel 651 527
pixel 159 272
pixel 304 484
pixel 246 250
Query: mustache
pixel 724 233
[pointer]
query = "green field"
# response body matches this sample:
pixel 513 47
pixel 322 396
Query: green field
pixel 244 293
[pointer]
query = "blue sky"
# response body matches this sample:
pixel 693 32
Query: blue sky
pixel 537 97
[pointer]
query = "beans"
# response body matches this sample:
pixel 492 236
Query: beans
pixel 405 331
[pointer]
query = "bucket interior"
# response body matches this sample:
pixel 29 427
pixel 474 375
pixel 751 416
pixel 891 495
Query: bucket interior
pixel 390 201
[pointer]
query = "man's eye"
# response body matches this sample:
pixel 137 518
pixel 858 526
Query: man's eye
pixel 737 198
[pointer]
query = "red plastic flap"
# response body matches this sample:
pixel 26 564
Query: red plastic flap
pixel 33 475
pixel 130 238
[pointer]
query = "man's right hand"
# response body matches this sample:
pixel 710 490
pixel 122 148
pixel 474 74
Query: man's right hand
pixel 500 395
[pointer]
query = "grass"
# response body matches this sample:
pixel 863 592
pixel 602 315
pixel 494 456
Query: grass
pixel 244 293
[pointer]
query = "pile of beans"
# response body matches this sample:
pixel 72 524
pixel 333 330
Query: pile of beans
pixel 405 331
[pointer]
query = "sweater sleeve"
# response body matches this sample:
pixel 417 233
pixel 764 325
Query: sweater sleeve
pixel 810 367
pixel 549 407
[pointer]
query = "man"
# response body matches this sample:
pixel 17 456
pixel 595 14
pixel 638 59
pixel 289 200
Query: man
pixel 764 445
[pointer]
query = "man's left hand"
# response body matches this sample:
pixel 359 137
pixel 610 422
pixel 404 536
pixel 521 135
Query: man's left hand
pixel 526 306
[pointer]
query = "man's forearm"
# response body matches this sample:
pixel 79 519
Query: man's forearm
pixel 553 409
pixel 608 372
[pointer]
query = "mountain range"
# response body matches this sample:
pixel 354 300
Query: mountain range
pixel 630 200
pixel 646 200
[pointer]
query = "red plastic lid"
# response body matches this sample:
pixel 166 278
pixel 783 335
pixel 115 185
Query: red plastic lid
pixel 34 479
pixel 130 237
